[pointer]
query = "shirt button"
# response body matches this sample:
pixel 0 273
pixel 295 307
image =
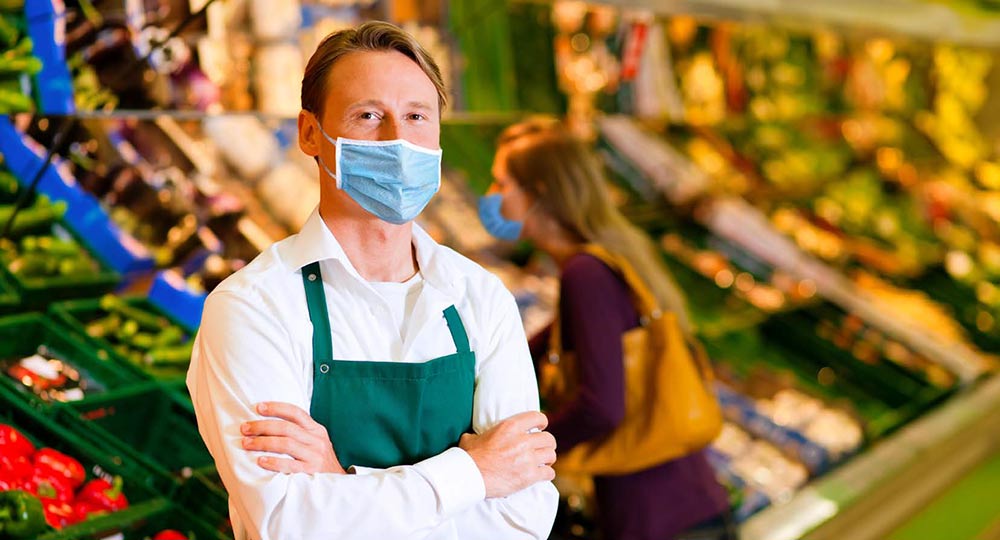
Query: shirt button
pixel 312 277
pixel 324 368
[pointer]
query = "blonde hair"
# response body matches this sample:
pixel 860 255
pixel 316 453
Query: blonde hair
pixel 374 36
pixel 564 175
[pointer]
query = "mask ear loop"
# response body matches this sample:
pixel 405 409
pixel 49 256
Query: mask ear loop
pixel 337 146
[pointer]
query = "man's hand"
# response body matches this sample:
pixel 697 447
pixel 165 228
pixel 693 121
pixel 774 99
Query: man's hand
pixel 514 454
pixel 294 433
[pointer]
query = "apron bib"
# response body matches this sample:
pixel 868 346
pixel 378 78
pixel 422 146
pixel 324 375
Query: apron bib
pixel 384 414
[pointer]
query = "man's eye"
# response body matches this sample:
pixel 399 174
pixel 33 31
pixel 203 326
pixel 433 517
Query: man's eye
pixel 369 116
pixel 417 116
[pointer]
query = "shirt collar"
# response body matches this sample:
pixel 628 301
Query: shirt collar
pixel 316 243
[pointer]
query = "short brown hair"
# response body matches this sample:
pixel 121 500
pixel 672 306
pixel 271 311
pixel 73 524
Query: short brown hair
pixel 371 36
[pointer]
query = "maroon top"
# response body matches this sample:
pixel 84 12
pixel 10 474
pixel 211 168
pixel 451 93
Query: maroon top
pixel 596 310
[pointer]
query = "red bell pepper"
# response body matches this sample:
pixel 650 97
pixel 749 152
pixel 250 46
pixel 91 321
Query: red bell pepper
pixel 15 466
pixel 85 510
pixel 13 442
pixel 102 494
pixel 51 487
pixel 59 464
pixel 170 534
pixel 8 483
pixel 27 485
pixel 59 514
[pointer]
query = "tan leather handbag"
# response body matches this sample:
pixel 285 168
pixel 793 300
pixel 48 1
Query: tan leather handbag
pixel 670 409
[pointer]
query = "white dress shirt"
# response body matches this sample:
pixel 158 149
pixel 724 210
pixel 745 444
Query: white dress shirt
pixel 255 344
pixel 401 299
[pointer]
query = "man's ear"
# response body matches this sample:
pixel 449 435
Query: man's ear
pixel 309 135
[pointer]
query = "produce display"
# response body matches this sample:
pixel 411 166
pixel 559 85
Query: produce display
pixel 17 64
pixel 43 486
pixel 140 336
pixel 50 256
pixel 866 152
pixel 876 157
pixel 50 377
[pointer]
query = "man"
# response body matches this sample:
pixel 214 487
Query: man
pixel 338 378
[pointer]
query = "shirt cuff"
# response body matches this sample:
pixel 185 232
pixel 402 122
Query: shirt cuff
pixel 361 471
pixel 455 478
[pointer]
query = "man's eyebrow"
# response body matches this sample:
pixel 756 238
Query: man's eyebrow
pixel 366 103
pixel 420 105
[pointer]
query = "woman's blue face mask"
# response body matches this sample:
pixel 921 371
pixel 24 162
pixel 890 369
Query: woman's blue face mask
pixel 494 222
pixel 392 180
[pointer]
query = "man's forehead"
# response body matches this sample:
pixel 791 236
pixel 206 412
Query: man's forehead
pixel 353 80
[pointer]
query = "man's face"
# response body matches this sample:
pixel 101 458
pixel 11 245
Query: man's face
pixel 374 96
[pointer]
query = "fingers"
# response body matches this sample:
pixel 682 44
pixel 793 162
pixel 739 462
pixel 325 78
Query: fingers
pixel 543 440
pixel 287 411
pixel 466 439
pixel 278 445
pixel 545 457
pixel 544 473
pixel 527 421
pixel 274 428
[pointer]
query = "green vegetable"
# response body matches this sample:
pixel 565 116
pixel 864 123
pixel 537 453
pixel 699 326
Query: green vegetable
pixel 50 245
pixel 11 102
pixel 104 326
pixel 21 515
pixel 8 32
pixel 47 256
pixel 33 218
pixel 142 340
pixel 170 356
pixel 15 65
pixel 172 335
pixel 127 330
pixel 144 319
pixel 8 183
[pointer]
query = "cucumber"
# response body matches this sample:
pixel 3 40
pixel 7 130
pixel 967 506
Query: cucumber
pixel 170 356
pixel 144 319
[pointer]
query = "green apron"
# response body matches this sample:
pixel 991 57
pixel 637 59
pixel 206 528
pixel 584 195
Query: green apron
pixel 384 414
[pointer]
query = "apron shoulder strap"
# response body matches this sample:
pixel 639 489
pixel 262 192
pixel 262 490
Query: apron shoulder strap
pixel 457 330
pixel 312 279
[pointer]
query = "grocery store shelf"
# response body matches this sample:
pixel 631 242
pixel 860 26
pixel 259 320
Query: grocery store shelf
pixel 870 495
pixel 745 226
pixel 962 22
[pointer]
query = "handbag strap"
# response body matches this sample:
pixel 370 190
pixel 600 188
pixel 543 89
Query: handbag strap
pixel 645 303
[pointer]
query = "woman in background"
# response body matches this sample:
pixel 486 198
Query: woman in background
pixel 549 188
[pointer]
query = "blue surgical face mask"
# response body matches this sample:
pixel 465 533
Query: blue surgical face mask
pixel 393 180
pixel 494 222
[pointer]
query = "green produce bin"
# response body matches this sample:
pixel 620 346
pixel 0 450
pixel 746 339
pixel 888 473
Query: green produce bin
pixel 907 392
pixel 178 389
pixel 207 499
pixel 10 301
pixel 141 485
pixel 145 423
pixel 961 298
pixel 39 292
pixel 77 314
pixel 21 336
pixel 141 523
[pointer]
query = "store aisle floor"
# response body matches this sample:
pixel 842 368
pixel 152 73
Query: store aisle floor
pixel 969 510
